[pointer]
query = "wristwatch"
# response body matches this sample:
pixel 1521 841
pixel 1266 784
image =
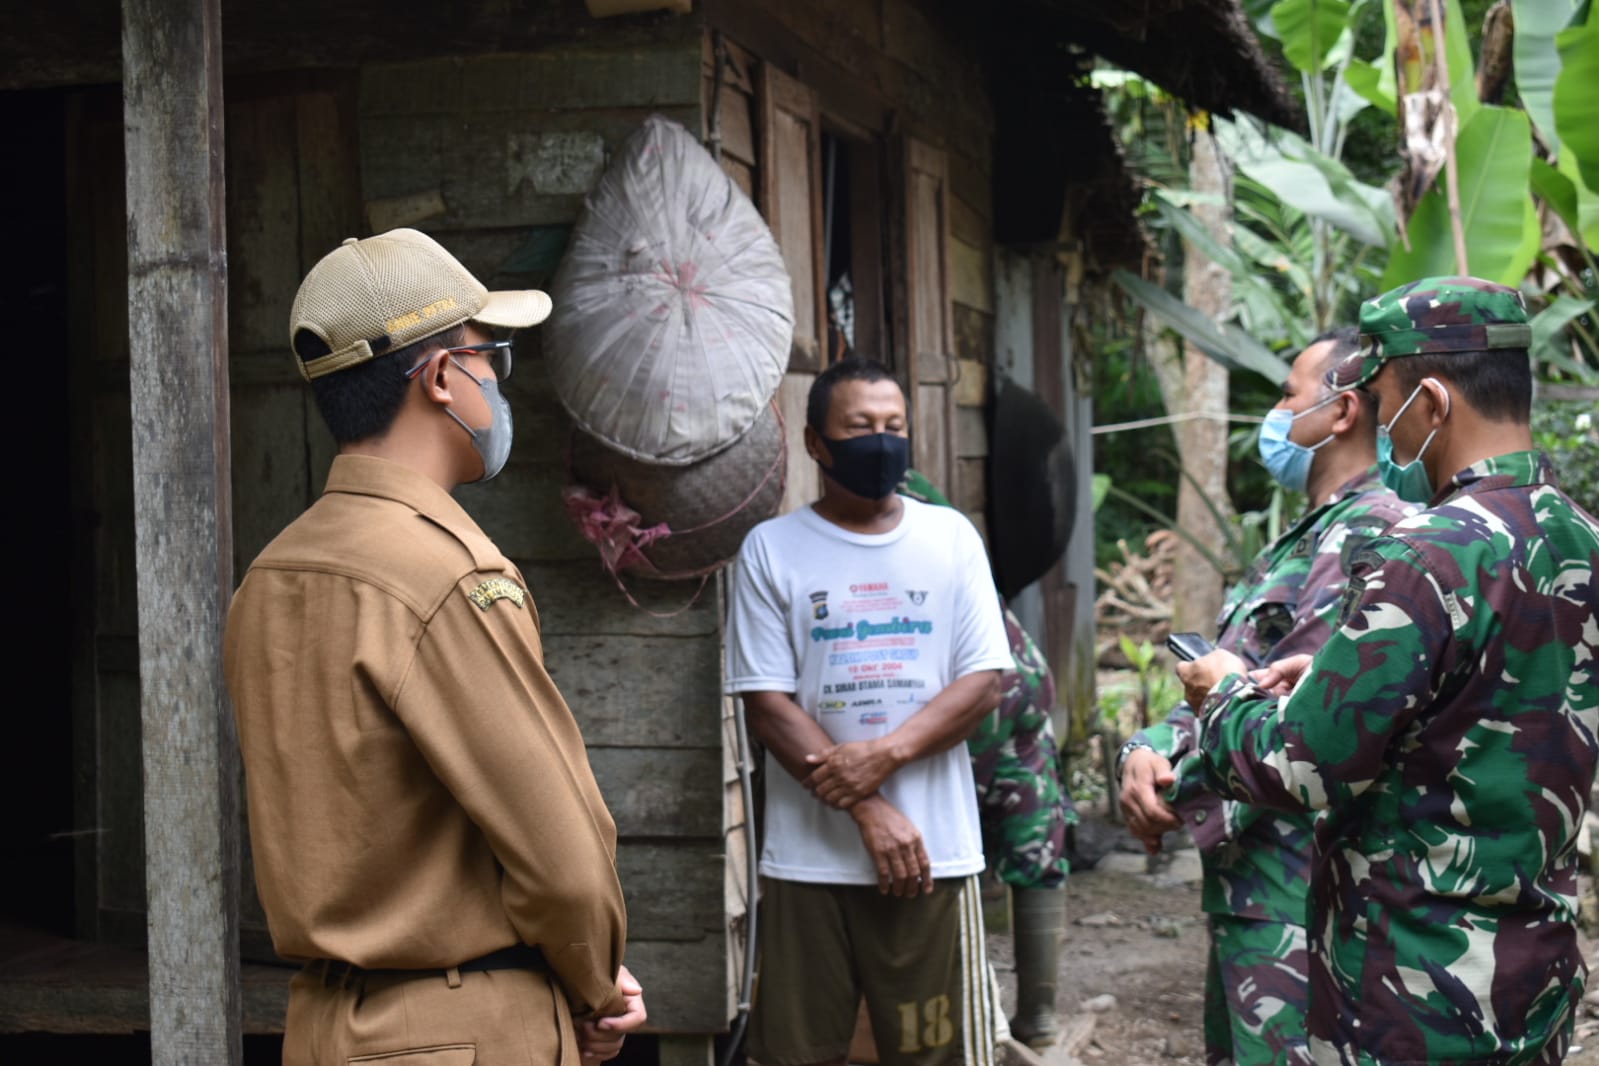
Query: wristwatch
pixel 1127 749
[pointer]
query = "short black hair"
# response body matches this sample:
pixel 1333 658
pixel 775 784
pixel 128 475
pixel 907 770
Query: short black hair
pixel 1345 342
pixel 362 401
pixel 850 368
pixel 1497 383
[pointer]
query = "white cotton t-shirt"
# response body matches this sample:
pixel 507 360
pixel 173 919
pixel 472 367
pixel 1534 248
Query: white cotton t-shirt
pixel 863 630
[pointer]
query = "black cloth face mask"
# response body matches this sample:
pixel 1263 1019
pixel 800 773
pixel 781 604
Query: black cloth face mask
pixel 870 466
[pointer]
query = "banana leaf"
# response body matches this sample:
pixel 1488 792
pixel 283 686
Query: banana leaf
pixel 1537 60
pixel 1309 180
pixel 1367 81
pixel 1194 232
pixel 1587 228
pixel 1269 256
pixel 1375 80
pixel 1548 333
pixel 1309 29
pixel 1556 190
pixel 1576 97
pixel 1462 68
pixel 1501 225
pixel 1223 342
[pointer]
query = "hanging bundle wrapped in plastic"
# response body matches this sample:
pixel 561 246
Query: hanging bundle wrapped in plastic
pixel 674 523
pixel 673 313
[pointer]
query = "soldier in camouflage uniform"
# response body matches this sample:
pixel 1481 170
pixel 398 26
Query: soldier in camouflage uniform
pixel 1257 862
pixel 1024 809
pixel 1448 724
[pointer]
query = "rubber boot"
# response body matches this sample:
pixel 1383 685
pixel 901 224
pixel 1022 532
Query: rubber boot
pixel 1040 919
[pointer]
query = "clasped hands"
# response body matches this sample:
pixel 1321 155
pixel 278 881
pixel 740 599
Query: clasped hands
pixel 847 773
pixel 847 777
pixel 1146 774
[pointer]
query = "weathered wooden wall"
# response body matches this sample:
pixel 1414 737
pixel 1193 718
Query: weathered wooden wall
pixel 909 92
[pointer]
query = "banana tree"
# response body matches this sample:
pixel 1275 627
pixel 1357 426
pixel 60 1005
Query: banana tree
pixel 1359 243
pixel 1310 237
pixel 1548 147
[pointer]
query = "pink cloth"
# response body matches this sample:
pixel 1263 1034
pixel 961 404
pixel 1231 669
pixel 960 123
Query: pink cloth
pixel 612 527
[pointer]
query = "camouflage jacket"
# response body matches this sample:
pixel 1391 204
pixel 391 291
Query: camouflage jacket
pixel 1257 862
pixel 1448 727
pixel 1022 801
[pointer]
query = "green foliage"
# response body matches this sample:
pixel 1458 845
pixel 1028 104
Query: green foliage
pixel 1131 703
pixel 1314 232
pixel 1310 181
pixel 1576 101
pixel 1538 60
pixel 1568 432
pixel 1141 657
pixel 1309 30
pixel 1222 341
pixel 1550 343
pixel 1125 390
pixel 1494 150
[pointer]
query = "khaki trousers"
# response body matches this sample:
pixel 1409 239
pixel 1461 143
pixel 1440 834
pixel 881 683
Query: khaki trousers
pixel 432 1018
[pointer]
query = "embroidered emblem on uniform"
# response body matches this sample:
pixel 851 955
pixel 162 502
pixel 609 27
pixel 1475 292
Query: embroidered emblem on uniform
pixel 918 596
pixel 819 605
pixel 1353 593
pixel 497 588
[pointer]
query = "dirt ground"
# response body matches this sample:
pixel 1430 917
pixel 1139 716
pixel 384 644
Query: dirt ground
pixel 1140 936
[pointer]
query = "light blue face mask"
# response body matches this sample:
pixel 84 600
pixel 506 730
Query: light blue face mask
pixel 1410 481
pixel 1288 462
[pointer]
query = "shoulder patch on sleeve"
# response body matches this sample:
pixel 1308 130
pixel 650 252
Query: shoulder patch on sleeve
pixel 1353 541
pixel 497 588
pixel 1353 593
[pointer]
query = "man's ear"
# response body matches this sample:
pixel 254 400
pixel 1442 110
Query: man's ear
pixel 436 377
pixel 1347 405
pixel 816 449
pixel 1440 398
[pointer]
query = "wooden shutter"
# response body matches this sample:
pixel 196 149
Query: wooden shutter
pixel 791 200
pixel 929 332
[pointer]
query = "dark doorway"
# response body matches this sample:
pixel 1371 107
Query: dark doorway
pixel 36 847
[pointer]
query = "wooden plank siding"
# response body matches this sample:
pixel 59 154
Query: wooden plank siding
pixel 790 184
pixel 887 70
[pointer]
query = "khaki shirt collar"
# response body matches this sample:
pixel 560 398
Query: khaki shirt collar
pixel 367 475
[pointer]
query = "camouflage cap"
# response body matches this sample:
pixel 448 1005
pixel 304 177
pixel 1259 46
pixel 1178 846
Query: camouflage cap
pixel 1434 316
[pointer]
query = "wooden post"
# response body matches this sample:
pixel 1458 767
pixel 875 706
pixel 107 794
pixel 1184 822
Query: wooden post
pixel 177 340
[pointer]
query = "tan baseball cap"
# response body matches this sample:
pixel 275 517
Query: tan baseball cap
pixel 372 296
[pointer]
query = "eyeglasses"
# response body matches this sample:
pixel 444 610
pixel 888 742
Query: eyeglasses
pixel 497 352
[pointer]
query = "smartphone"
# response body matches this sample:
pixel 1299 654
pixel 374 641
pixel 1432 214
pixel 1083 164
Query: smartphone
pixel 1189 646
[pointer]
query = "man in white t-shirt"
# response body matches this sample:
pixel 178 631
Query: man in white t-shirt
pixel 866 639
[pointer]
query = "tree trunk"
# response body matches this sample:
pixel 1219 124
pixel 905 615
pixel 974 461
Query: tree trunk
pixel 1202 442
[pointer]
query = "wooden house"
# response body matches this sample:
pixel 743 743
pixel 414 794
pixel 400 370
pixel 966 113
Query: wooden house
pixel 943 156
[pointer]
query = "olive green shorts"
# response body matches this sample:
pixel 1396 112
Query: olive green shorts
pixel 918 962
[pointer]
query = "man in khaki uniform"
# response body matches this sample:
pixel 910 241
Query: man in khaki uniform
pixel 427 832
